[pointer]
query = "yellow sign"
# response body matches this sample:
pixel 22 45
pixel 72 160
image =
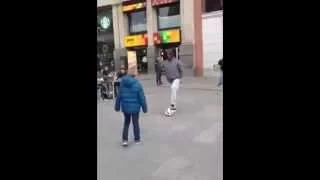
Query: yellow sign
pixel 132 61
pixel 136 40
pixel 132 7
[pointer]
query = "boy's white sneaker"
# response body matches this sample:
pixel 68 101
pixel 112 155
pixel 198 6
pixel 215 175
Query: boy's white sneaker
pixel 124 143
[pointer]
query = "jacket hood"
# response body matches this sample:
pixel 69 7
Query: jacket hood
pixel 128 81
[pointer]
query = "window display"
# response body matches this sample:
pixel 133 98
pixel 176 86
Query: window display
pixel 137 22
pixel 169 16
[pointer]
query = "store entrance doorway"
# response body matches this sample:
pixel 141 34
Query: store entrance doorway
pixel 142 61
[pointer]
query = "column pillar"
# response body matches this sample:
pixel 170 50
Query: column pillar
pixel 121 29
pixel 123 25
pixel 151 27
pixel 198 49
pixel 187 36
pixel 115 20
pixel 187 19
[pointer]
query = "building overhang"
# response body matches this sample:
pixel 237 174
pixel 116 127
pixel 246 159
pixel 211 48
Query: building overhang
pixel 101 3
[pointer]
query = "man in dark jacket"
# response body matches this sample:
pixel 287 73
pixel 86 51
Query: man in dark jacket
pixel 131 99
pixel 120 74
pixel 220 80
pixel 221 64
pixel 107 77
pixel 158 70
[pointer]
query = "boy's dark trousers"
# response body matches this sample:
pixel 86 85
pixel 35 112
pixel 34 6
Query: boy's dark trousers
pixel 136 129
pixel 158 78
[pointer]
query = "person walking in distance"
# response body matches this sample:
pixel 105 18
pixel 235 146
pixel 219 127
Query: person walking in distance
pixel 220 79
pixel 158 70
pixel 119 75
pixel 174 73
pixel 131 99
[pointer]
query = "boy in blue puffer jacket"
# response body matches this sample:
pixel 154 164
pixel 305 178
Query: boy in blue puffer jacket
pixel 131 99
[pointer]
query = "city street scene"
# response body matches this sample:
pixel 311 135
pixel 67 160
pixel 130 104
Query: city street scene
pixel 160 89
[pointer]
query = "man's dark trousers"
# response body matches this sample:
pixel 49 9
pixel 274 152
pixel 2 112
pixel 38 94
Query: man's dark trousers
pixel 158 78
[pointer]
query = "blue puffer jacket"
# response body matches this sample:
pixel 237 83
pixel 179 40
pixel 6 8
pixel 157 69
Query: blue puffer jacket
pixel 131 96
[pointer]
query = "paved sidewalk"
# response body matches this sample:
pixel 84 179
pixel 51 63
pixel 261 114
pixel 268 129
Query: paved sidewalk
pixel 185 147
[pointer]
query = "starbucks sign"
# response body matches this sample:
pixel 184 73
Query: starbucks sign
pixel 105 22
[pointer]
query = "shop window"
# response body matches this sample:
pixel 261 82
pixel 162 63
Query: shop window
pixel 137 22
pixel 212 5
pixel 169 16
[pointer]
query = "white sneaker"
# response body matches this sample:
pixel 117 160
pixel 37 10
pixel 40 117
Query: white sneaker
pixel 125 143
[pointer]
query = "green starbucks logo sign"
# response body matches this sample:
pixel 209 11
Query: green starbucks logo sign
pixel 105 22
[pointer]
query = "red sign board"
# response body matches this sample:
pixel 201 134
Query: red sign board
pixel 162 2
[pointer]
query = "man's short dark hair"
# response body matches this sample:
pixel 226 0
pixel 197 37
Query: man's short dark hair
pixel 172 51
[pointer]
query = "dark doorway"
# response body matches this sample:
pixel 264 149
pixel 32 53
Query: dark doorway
pixel 142 61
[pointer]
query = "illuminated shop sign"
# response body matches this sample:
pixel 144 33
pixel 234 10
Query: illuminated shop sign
pixel 166 37
pixel 162 2
pixel 132 7
pixel 105 22
pixel 136 40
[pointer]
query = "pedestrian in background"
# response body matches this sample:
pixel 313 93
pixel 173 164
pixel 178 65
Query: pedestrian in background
pixel 144 64
pixel 130 100
pixel 220 78
pixel 106 71
pixel 174 72
pixel 158 70
pixel 119 77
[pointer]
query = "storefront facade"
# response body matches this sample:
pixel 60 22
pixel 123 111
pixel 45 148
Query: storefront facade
pixel 168 32
pixel 147 27
pixel 105 39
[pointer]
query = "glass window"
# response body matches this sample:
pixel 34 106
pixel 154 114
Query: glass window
pixel 169 16
pixel 137 22
pixel 213 5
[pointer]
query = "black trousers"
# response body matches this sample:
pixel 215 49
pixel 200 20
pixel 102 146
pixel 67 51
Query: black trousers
pixel 105 88
pixel 116 88
pixel 158 78
pixel 136 129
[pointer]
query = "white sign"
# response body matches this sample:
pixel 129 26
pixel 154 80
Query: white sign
pixel 105 22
